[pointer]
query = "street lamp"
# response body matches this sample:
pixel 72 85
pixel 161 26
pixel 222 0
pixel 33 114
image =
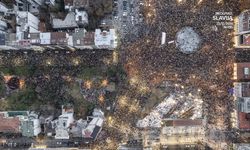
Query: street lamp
pixel 76 61
pixel 48 62
pixel 104 82
pixel 88 84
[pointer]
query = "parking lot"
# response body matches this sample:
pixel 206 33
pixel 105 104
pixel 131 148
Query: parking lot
pixel 126 16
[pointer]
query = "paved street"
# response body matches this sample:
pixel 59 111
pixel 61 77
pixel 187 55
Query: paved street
pixel 126 17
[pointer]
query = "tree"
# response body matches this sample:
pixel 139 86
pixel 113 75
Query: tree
pixel 22 100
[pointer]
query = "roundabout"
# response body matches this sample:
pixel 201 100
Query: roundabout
pixel 187 40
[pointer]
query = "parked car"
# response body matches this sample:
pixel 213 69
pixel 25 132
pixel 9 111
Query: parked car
pixel 132 20
pixel 125 3
pixel 125 7
pixel 115 14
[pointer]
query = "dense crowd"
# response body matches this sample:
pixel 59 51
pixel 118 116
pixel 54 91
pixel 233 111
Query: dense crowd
pixel 57 58
pixel 208 69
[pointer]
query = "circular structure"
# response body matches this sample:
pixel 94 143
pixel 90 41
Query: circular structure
pixel 188 40
pixel 13 83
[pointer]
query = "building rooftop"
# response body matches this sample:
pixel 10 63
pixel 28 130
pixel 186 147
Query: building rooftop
pixel 81 17
pixel 3 7
pixel 11 37
pixel 3 26
pixel 34 35
pixel 184 122
pixel 78 37
pixel 95 132
pixel 65 120
pixel 42 26
pixel 95 125
pixel 9 124
pixel 17 113
pixel 68 2
pixel 34 38
pixel 105 39
pixel 244 21
pixel 63 123
pixel 246 39
pixel 30 127
pixel 244 120
pixel 187 122
pixel 45 38
pixel 26 21
pixel 241 146
pixel 244 104
pixel 81 3
pixel 241 71
pixel 76 4
pixel 89 38
pixel 76 128
pixel 2 39
pixel 242 89
pixel 93 128
pixel 68 22
pixel 59 38
pixel 98 113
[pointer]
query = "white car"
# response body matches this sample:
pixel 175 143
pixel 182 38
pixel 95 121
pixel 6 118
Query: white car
pixel 133 20
pixel 58 143
pixel 124 13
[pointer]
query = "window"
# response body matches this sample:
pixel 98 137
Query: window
pixel 248 24
pixel 246 71
pixel 248 106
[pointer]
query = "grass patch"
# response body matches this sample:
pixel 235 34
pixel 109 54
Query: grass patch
pixel 18 70
pixel 22 100
pixel 88 73
pixel 74 91
pixel 2 88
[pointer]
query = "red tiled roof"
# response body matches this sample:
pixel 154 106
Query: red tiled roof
pixel 89 38
pixel 9 124
pixel 244 123
pixel 58 38
pixel 187 122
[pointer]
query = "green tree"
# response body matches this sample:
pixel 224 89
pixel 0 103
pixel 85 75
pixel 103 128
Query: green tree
pixel 22 100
